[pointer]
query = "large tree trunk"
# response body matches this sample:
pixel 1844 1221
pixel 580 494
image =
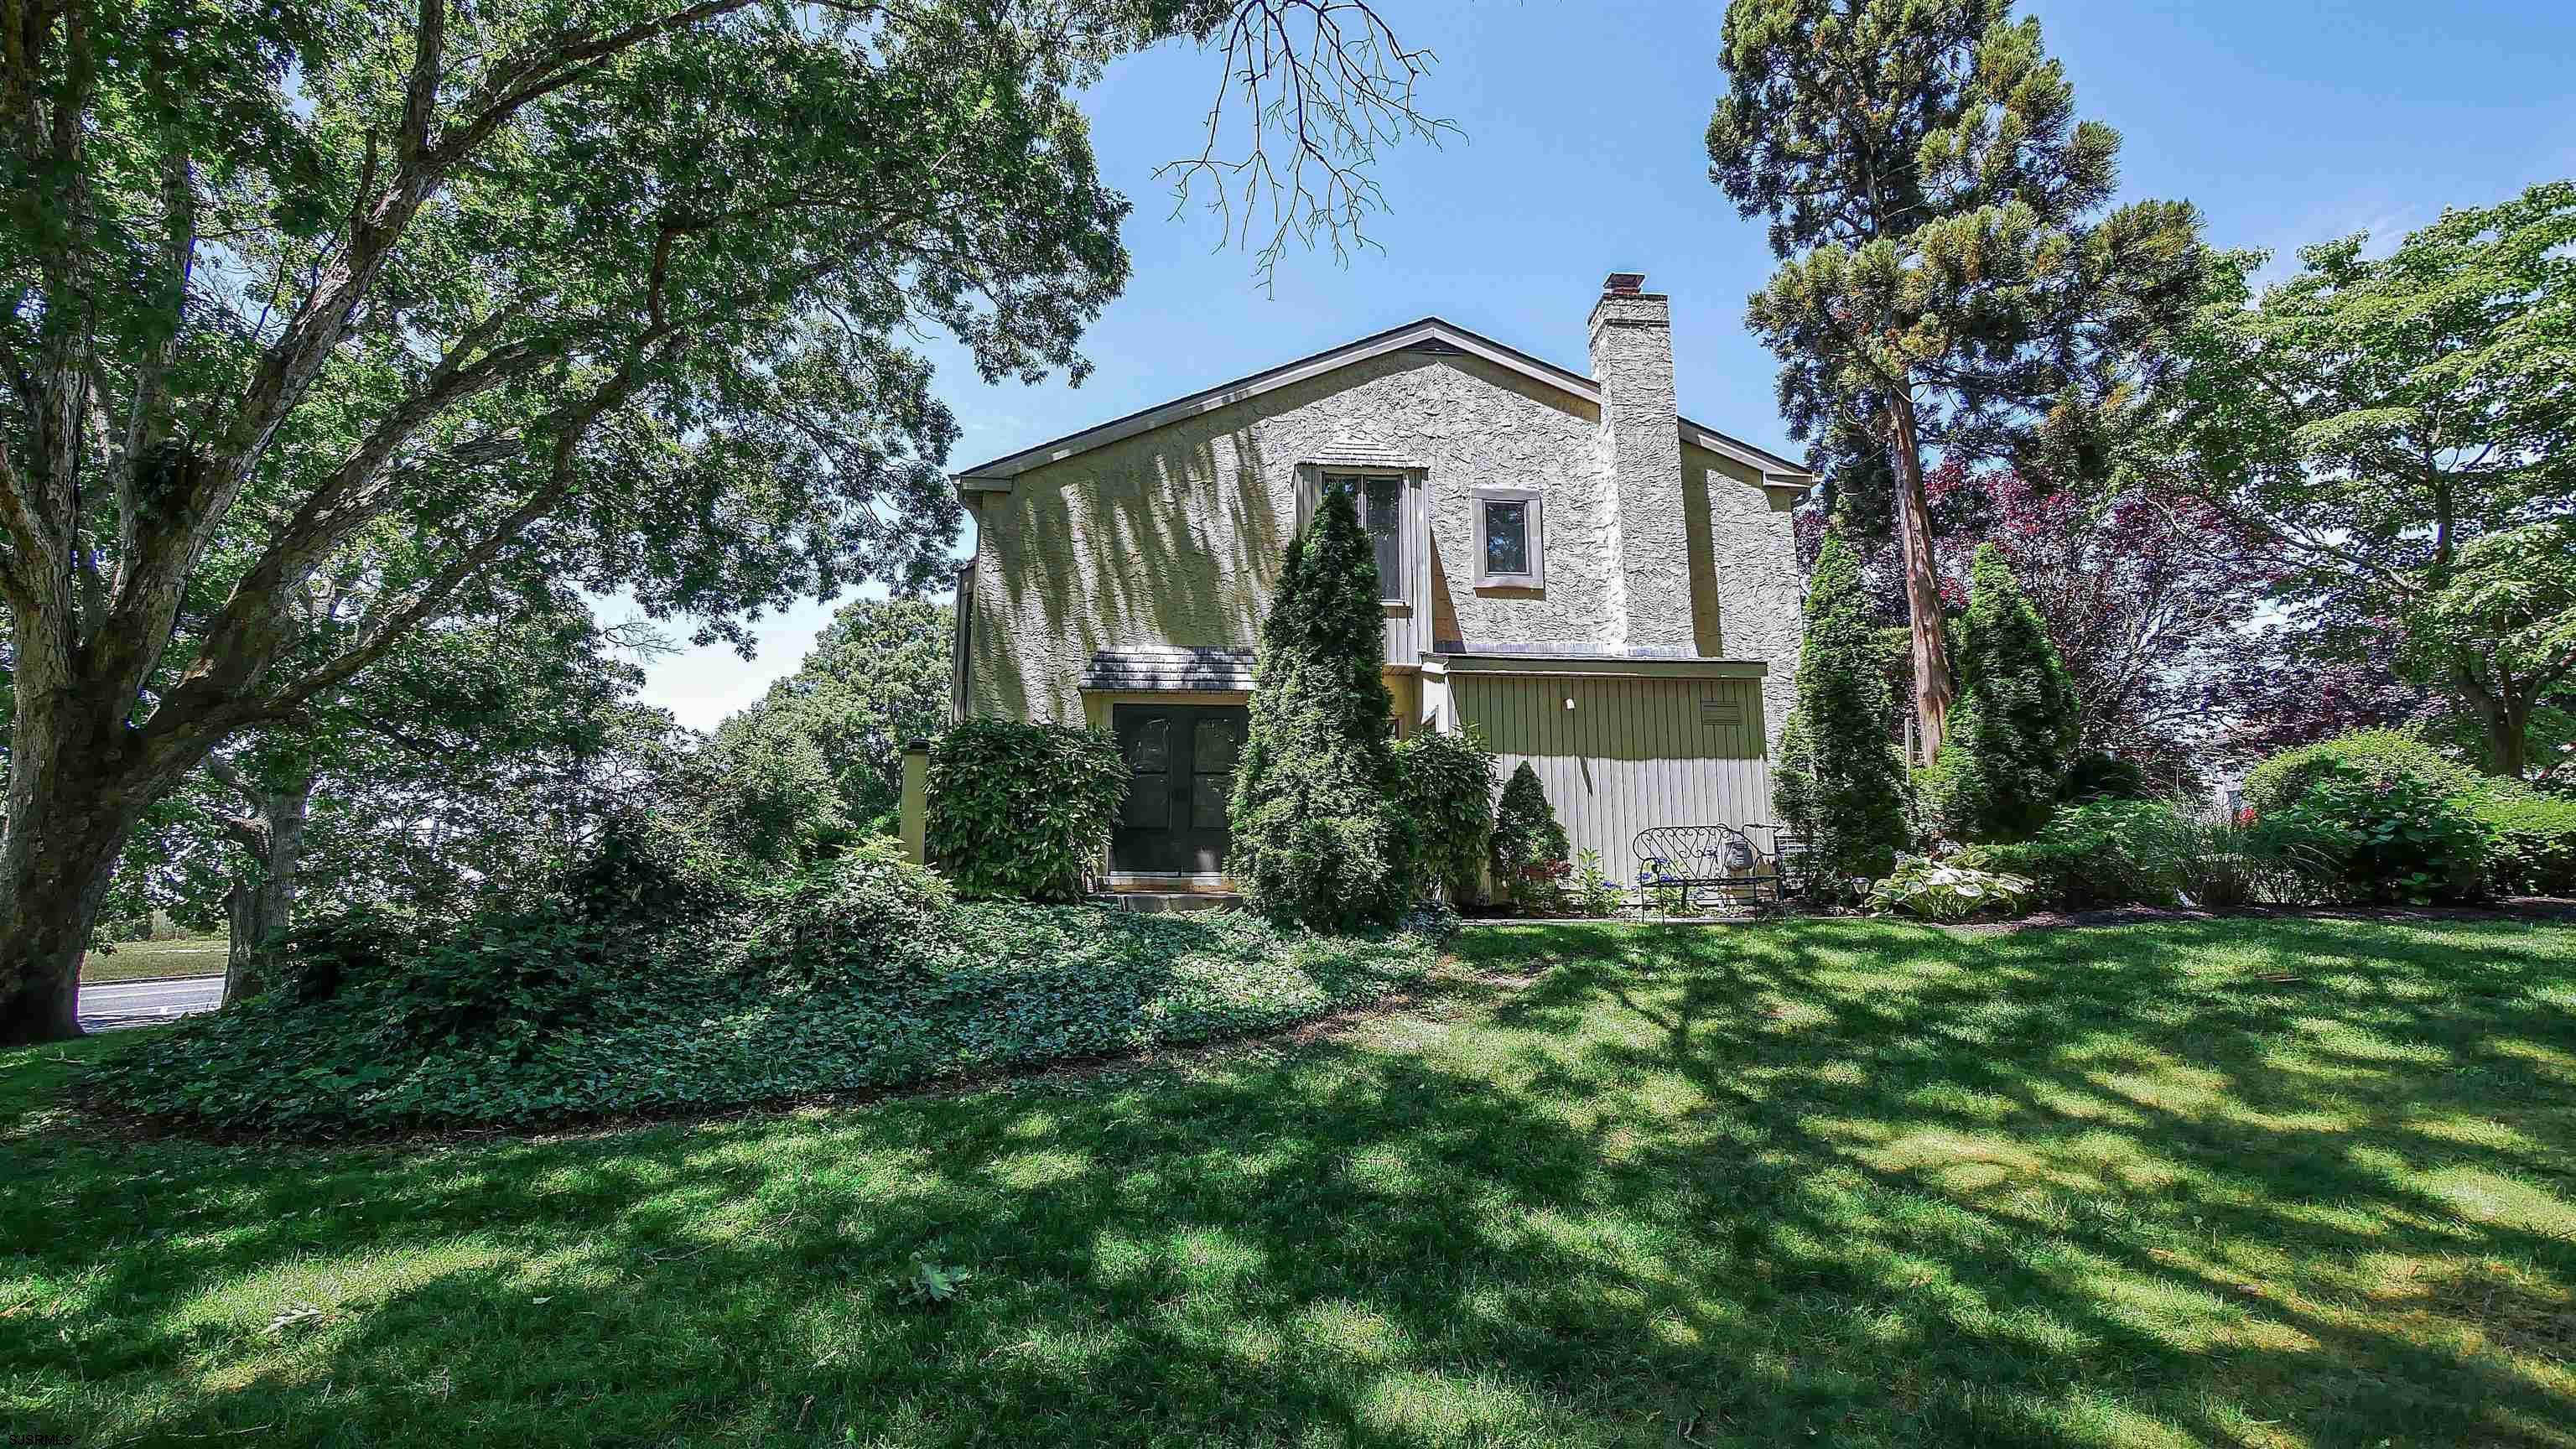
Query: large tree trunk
pixel 2508 727
pixel 2504 710
pixel 1922 580
pixel 262 905
pixel 70 809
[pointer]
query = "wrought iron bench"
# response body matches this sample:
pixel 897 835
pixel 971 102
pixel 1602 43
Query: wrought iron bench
pixel 1793 856
pixel 1706 865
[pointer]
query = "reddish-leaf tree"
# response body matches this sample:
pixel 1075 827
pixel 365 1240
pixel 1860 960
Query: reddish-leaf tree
pixel 2154 600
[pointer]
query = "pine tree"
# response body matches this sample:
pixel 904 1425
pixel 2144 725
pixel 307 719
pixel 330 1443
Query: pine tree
pixel 1849 782
pixel 1320 835
pixel 2013 733
pixel 1950 278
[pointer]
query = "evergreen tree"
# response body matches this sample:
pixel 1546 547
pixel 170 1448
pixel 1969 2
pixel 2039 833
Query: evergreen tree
pixel 2014 730
pixel 1950 280
pixel 1847 777
pixel 1793 776
pixel 1320 835
pixel 1529 843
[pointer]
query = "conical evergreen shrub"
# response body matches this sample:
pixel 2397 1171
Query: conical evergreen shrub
pixel 1320 835
pixel 1843 774
pixel 2011 736
pixel 1529 842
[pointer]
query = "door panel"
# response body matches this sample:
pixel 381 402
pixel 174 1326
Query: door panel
pixel 1180 759
pixel 1148 750
pixel 1216 737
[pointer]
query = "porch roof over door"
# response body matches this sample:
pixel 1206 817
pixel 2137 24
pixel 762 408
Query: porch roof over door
pixel 1160 668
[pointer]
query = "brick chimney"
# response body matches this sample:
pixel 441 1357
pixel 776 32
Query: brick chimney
pixel 1632 360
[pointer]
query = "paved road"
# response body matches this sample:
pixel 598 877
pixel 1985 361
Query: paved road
pixel 113 1004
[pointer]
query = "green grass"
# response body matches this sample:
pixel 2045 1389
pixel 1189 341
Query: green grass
pixel 142 960
pixel 2287 1183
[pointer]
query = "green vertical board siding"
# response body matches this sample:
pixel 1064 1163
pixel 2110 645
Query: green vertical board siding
pixel 1632 753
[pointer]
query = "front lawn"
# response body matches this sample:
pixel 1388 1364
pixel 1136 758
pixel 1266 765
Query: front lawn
pixel 2293 1183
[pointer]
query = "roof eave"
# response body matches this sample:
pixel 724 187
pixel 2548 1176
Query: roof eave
pixel 997 475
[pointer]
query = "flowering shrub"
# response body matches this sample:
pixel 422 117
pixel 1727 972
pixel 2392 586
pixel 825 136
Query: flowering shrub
pixel 2373 756
pixel 2398 841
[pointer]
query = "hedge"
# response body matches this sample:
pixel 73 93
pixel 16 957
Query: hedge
pixel 2535 844
pixel 1023 810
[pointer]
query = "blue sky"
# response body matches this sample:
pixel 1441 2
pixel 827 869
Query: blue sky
pixel 2286 121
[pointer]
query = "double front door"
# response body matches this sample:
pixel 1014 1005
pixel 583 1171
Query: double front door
pixel 1180 761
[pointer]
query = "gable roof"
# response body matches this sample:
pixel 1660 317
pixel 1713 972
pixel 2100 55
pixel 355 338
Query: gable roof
pixel 1430 334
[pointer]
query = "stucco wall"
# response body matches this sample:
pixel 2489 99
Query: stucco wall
pixel 1745 586
pixel 1176 536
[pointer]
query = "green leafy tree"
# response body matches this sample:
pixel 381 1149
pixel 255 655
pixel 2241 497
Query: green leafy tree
pixel 765 791
pixel 1320 834
pixel 620 289
pixel 2014 731
pixel 1948 281
pixel 486 747
pixel 2375 418
pixel 877 678
pixel 2499 631
pixel 1846 778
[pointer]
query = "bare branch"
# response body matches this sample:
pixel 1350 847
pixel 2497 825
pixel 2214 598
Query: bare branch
pixel 1332 82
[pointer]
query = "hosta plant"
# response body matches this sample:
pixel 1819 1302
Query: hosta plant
pixel 1942 891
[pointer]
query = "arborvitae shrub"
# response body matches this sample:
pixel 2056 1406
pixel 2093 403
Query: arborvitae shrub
pixel 1529 845
pixel 1845 774
pixel 2012 734
pixel 1320 834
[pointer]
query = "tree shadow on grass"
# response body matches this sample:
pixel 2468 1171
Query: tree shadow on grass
pixel 1831 1182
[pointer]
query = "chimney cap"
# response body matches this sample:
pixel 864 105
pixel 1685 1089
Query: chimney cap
pixel 1624 284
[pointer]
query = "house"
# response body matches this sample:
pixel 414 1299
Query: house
pixel 1606 589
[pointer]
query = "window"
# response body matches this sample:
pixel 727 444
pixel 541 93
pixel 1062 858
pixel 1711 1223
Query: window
pixel 1510 538
pixel 1507 538
pixel 1381 503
